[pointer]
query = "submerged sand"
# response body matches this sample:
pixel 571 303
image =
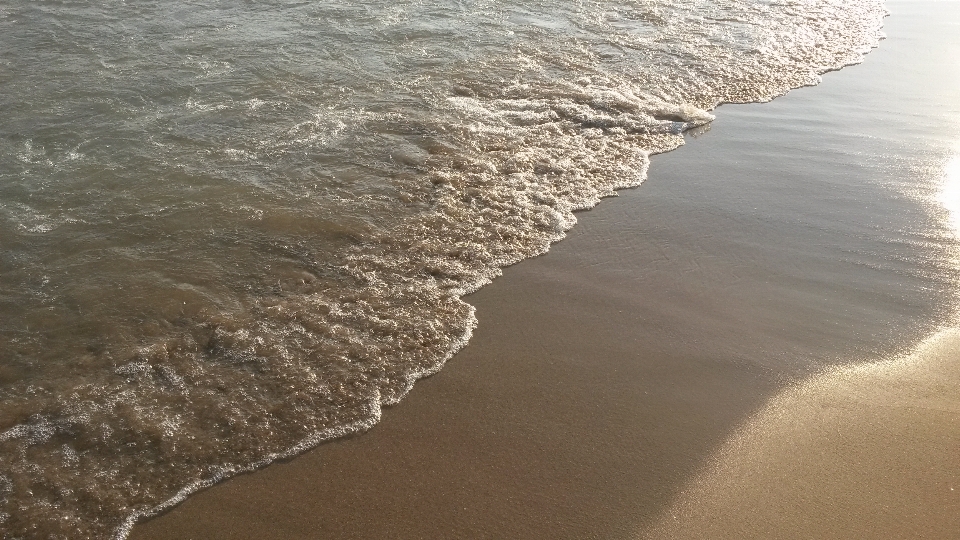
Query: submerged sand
pixel 729 351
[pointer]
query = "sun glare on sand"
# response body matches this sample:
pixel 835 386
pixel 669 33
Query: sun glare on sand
pixel 950 194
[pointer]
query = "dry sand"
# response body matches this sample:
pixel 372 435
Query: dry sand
pixel 869 451
pixel 656 374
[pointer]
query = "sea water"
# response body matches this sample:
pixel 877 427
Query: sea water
pixel 232 230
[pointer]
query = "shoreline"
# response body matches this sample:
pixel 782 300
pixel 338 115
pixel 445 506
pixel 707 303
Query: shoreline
pixel 551 381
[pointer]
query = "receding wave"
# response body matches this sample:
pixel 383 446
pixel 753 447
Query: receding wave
pixel 231 233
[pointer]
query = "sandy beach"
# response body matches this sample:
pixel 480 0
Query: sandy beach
pixel 756 343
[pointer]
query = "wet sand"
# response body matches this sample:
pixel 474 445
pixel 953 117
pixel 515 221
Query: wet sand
pixel 653 374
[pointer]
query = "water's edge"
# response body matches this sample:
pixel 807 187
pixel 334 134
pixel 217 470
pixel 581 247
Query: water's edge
pixel 376 403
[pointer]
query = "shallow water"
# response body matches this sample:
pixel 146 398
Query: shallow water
pixel 229 232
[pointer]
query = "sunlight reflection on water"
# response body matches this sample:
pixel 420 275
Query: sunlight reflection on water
pixel 950 193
